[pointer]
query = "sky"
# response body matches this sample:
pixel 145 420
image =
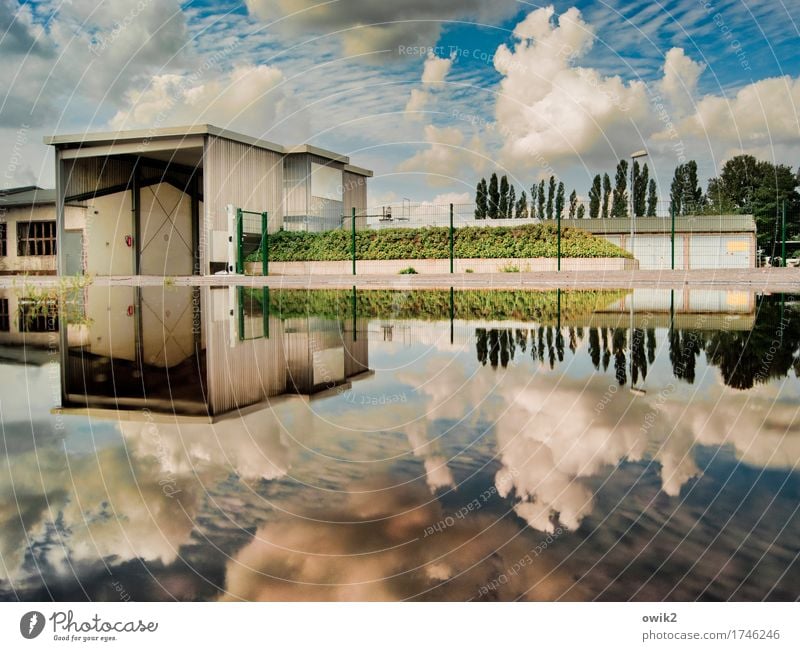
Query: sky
pixel 429 95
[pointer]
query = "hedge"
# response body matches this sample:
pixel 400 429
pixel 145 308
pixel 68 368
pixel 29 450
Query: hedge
pixel 434 305
pixel 524 241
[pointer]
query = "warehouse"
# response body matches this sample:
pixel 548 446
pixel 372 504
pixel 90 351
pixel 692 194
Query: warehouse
pixel 701 242
pixel 157 200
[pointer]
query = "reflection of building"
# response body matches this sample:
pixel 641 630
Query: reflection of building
pixel 198 351
pixel 155 196
pixel 28 232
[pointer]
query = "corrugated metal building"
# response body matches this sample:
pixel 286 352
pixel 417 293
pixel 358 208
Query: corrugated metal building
pixel 157 198
pixel 701 242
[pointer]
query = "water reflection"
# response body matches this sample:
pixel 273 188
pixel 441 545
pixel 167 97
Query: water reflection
pixel 238 443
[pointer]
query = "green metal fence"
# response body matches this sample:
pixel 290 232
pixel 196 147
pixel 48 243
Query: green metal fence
pixel 664 241
pixel 252 239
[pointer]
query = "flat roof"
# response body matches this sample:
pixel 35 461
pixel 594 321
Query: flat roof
pixel 76 140
pixel 683 224
pixel 28 196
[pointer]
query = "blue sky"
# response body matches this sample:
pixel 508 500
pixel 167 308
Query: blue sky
pixel 346 75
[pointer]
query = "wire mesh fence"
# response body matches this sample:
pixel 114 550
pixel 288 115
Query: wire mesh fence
pixel 447 235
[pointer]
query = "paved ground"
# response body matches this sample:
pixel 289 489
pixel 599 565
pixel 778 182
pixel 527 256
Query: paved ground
pixel 767 279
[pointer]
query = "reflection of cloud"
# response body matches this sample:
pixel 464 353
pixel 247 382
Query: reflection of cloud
pixel 125 502
pixel 379 553
pixel 553 435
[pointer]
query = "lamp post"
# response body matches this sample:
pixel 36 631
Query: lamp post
pixel 637 154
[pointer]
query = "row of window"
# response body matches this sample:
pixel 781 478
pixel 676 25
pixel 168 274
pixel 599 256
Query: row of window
pixel 33 238
pixel 33 317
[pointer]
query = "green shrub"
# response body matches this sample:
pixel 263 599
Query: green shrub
pixel 510 269
pixel 408 270
pixel 523 241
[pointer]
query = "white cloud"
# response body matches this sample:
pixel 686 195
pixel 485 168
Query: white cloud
pixel 416 103
pixel 248 98
pixel 447 156
pixel 369 26
pixel 548 108
pixel 436 69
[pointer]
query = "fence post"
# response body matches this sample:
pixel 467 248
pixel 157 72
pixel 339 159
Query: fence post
pixel 265 310
pixel 355 312
pixel 783 233
pixel 451 238
pixel 353 239
pixel 558 216
pixel 672 234
pixel 264 244
pixel 239 234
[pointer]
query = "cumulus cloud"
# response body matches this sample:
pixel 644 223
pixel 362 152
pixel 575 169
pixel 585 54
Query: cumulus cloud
pixel 250 98
pixel 550 108
pixel 553 108
pixel 434 73
pixel 445 158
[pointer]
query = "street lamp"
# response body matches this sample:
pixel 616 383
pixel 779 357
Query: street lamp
pixel 637 154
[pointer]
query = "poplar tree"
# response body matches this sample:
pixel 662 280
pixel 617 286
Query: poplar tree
pixel 494 197
pixel 606 195
pixel 595 195
pixel 619 199
pixel 481 207
pixel 551 192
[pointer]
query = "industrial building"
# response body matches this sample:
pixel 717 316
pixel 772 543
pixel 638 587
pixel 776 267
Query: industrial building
pixel 156 200
pixel 28 231
pixel 701 242
pixel 201 351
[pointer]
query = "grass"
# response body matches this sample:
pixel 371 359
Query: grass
pixel 407 271
pixel 486 242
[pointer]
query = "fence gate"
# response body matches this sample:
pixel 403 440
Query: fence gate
pixel 247 235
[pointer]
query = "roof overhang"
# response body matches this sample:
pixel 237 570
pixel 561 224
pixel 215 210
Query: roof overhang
pixel 157 143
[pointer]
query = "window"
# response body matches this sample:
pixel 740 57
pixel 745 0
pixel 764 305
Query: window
pixel 4 321
pixel 3 240
pixel 36 238
pixel 38 315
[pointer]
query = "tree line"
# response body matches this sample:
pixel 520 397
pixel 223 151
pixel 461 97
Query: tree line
pixel 745 185
pixel 497 198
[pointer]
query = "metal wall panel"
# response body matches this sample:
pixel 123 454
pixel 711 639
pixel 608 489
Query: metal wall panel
pixel 296 171
pixel 247 177
pixel 239 373
pixel 84 176
pixel 355 193
pixel 728 251
pixel 654 251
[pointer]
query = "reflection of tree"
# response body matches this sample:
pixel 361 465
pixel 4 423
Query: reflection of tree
pixel 618 343
pixel 769 351
pixel 594 347
pixel 684 348
pixel 606 350
pixel 651 345
pixel 497 346
pixel 480 345
pixel 638 356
